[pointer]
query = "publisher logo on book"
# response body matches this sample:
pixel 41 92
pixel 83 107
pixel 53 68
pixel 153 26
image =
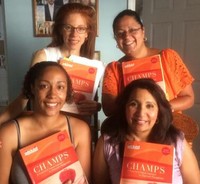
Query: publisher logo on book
pixel 61 137
pixel 154 60
pixel 166 150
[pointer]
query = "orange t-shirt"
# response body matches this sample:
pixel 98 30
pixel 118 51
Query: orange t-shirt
pixel 176 75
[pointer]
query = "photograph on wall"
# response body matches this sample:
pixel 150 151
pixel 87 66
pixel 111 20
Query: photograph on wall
pixel 44 12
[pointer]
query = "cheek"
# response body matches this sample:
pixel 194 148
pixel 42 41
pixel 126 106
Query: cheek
pixel 130 113
pixel 153 116
pixel 62 95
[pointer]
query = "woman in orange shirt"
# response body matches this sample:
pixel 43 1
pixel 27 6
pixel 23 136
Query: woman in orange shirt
pixel 129 33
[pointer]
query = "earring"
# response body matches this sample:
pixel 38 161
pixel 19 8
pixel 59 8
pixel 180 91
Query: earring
pixel 145 39
pixel 117 46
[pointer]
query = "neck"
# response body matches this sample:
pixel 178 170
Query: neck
pixel 67 52
pixel 137 137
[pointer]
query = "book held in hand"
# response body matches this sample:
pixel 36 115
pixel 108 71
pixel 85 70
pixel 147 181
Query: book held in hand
pixel 147 163
pixel 149 67
pixel 53 160
pixel 85 75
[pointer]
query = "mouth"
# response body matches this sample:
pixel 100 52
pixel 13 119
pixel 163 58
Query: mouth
pixel 51 105
pixel 128 43
pixel 140 121
pixel 73 41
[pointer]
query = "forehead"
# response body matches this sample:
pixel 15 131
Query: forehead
pixel 52 72
pixel 141 94
pixel 75 19
pixel 126 21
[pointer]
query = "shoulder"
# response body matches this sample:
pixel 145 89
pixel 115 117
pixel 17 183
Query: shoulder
pixel 8 135
pixel 38 56
pixel 77 125
pixel 169 52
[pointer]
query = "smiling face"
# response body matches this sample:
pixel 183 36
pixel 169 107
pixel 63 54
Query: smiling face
pixel 141 113
pixel 129 35
pixel 50 91
pixel 72 39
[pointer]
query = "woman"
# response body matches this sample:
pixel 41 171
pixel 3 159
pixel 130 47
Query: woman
pixel 48 85
pixel 143 114
pixel 129 33
pixel 74 33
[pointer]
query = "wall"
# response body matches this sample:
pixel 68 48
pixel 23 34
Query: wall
pixel 21 43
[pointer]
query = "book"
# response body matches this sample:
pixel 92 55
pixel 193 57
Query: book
pixel 149 67
pixel 85 75
pixel 52 160
pixel 145 163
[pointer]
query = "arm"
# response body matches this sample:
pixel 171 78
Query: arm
pixel 111 87
pixel 100 168
pixel 82 141
pixel 184 100
pixel 88 107
pixel 7 151
pixel 108 104
pixel 14 109
pixel 189 168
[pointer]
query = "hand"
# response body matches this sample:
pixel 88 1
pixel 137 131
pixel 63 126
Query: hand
pixel 88 107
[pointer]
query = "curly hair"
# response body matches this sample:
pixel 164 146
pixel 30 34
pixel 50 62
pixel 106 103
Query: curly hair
pixel 163 132
pixel 36 71
pixel 89 13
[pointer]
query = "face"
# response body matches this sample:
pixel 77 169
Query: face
pixel 141 112
pixel 73 39
pixel 129 35
pixel 50 91
pixel 50 1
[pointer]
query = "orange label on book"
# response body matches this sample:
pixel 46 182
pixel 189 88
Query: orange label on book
pixel 147 162
pixel 82 76
pixel 52 160
pixel 150 67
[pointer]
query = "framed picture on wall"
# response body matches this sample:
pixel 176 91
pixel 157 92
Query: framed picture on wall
pixel 131 4
pixel 43 19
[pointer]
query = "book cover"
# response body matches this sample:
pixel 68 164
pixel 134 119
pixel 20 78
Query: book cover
pixel 150 67
pixel 145 163
pixel 52 160
pixel 85 75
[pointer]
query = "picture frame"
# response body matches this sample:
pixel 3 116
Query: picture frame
pixel 97 55
pixel 42 19
pixel 131 4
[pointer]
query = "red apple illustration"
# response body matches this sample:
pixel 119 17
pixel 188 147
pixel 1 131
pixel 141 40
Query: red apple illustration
pixel 67 175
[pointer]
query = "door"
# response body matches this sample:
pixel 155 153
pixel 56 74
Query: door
pixel 176 24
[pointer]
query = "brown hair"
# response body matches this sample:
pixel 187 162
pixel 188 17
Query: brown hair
pixel 89 13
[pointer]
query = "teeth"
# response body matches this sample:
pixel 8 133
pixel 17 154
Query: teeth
pixel 51 104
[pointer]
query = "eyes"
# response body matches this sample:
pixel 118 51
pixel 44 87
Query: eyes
pixel 137 105
pixel 46 86
pixel 131 31
pixel 80 29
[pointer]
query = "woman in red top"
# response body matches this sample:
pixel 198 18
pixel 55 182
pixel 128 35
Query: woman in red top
pixel 129 33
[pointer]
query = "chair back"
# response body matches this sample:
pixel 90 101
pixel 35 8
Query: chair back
pixel 188 125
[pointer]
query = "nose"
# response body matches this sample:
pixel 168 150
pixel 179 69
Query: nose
pixel 52 92
pixel 74 31
pixel 140 110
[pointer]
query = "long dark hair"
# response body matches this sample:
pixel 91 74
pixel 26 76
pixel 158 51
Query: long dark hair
pixel 163 131
pixel 89 13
